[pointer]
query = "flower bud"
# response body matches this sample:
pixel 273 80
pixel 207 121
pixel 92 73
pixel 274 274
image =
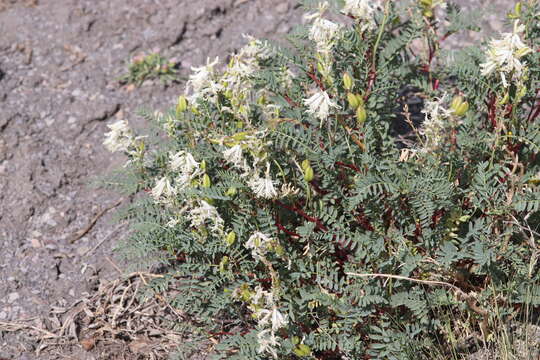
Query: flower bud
pixel 361 116
pixel 505 99
pixel 231 191
pixel 182 105
pixel 308 174
pixel 203 165
pixel 347 81
pixel 230 238
pixel 462 109
pixel 305 164
pixel 302 350
pixel 279 250
pixel 459 106
pixel 206 183
pixel 223 263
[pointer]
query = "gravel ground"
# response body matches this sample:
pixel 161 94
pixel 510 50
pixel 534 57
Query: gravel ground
pixel 59 65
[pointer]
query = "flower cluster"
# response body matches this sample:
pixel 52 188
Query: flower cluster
pixel 363 11
pixel 437 122
pixel 120 138
pixel 504 57
pixel 269 320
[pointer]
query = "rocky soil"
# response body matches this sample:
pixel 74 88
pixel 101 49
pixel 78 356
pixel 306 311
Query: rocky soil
pixel 59 67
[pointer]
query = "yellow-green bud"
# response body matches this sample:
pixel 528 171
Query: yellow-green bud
pixel 456 101
pixel 240 136
pixel 181 106
pixel 361 116
pixel 462 109
pixel 353 100
pixel 308 174
pixel 279 250
pixel 347 81
pixel 305 164
pixel 505 99
pixel 517 9
pixel 459 106
pixel 223 263
pixel 295 340
pixel 230 238
pixel 231 191
pixel 203 165
pixel 302 350
pixel 206 183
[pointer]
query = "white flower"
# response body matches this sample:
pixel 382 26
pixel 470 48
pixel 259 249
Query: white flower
pixel 263 187
pixel 162 187
pixel 205 212
pixel 261 294
pixel 503 56
pixel 234 156
pixel 273 317
pixel 258 243
pixel 185 162
pixel 323 33
pixel 119 138
pixel 288 190
pixel 319 105
pixel 201 81
pixel 267 342
pixel 362 11
pixel 435 124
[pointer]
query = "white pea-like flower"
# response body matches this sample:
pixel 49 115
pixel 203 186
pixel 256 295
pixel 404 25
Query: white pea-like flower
pixel 201 80
pixel 163 187
pixel 258 243
pixel 184 162
pixel 319 105
pixel 503 56
pixel 263 186
pixel 436 123
pixel 234 156
pixel 362 11
pixel 119 138
pixel 204 212
pixel 323 32
pixel 267 342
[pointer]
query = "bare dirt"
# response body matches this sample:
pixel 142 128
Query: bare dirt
pixel 59 66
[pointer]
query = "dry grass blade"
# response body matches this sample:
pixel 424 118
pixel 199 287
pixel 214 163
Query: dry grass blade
pixel 116 315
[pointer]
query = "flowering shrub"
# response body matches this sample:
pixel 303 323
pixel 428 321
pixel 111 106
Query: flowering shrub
pixel 297 222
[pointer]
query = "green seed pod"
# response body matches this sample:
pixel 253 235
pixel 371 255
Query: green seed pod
pixel 347 81
pixel 181 106
pixel 230 238
pixel 308 174
pixel 302 350
pixel 305 164
pixel 361 116
pixel 206 182
pixel 456 102
pixel 353 101
pixel 505 99
pixel 223 264
pixel 462 109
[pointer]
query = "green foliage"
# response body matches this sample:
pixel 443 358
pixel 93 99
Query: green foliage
pixel 289 229
pixel 151 66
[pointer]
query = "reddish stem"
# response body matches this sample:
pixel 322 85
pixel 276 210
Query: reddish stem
pixel 318 223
